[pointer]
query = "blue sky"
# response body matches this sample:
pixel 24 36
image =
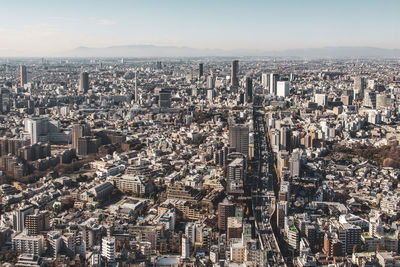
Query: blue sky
pixel 45 27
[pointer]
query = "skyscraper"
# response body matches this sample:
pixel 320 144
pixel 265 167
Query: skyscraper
pixel 201 69
pixel 225 209
pixel 136 92
pixel 282 89
pixel 239 138
pixel 210 82
pixel 23 76
pixel 359 86
pixel 272 83
pixel 78 131
pixel 234 73
pixel 164 100
pixel 84 82
pixel 249 90
pixel 265 80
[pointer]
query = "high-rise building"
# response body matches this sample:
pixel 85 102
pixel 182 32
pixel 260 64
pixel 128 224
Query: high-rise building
pixel 19 217
pixel 78 131
pixel 226 209
pixel 136 91
pixel 5 100
pixel 321 99
pixel 349 236
pixel 54 243
pixel 282 89
pixel 84 82
pixel 359 86
pixel 369 99
pixel 235 227
pixel 265 80
pixel 35 223
pixel 37 128
pixel 22 75
pixel 382 101
pixel 201 69
pixel 185 247
pixel 234 73
pixel 236 175
pixel 164 99
pixel 88 145
pixel 108 248
pixel 273 79
pixel 239 138
pixel 249 90
pixel 210 82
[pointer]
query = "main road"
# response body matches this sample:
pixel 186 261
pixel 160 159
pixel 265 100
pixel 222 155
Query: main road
pixel 264 192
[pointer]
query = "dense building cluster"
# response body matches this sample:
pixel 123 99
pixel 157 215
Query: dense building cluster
pixel 199 162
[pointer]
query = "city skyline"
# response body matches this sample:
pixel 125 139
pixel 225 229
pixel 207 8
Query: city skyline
pixel 45 28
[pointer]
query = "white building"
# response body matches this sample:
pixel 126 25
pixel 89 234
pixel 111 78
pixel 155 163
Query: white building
pixel 108 248
pixel 282 89
pixel 185 247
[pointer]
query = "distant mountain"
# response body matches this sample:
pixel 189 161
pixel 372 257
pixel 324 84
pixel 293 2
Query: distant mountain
pixel 175 51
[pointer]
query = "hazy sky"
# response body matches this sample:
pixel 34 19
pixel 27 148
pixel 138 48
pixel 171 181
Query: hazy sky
pixel 40 27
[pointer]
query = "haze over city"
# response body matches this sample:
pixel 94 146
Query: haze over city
pixel 54 28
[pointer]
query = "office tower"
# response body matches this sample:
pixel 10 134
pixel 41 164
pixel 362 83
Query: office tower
pixel 273 78
pixel 54 243
pixel 77 132
pixel 226 209
pixel 382 101
pixel 210 82
pixel 88 145
pixel 369 100
pixel 164 99
pixel 210 94
pixel 284 138
pixel 347 99
pixel 234 73
pixel 19 217
pixel 37 128
pixel 282 89
pixel 265 80
pixel 159 65
pixel 239 138
pixel 294 163
pixel 5 100
pixel 22 75
pixel 136 92
pixel 249 90
pixel 84 82
pixel 359 86
pixel 321 99
pixel 185 247
pixel 108 248
pixel 201 69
